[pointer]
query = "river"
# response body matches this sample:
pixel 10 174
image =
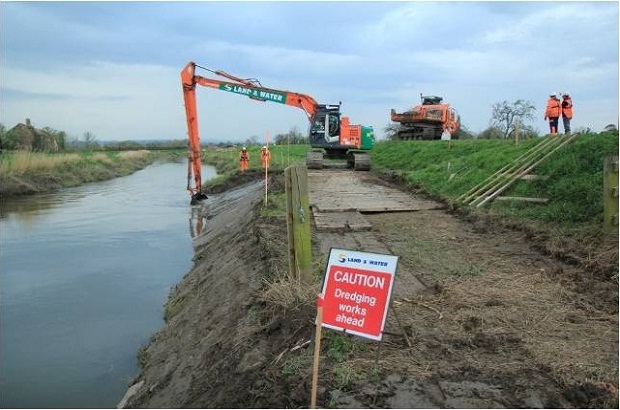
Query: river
pixel 84 276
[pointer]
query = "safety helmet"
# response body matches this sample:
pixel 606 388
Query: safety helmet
pixel 264 147
pixel 552 94
pixel 565 93
pixel 243 149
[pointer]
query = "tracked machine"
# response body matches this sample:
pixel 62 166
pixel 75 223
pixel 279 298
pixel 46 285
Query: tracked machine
pixel 331 135
pixel 427 120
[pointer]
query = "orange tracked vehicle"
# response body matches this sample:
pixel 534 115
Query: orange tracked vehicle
pixel 427 121
pixel 330 134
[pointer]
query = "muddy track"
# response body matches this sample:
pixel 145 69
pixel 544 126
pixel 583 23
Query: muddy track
pixel 480 317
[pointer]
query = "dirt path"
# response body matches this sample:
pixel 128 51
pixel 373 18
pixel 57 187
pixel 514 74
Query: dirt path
pixel 494 324
pixel 480 319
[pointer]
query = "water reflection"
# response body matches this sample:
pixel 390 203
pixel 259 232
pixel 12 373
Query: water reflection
pixel 198 219
pixel 31 206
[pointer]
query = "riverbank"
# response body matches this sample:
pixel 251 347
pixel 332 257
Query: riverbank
pixel 26 173
pixel 238 331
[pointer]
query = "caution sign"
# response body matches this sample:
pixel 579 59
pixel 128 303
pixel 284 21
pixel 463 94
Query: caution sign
pixel 356 291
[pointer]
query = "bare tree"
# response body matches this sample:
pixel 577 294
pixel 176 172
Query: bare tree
pixel 293 136
pixel 391 131
pixel 89 139
pixel 505 115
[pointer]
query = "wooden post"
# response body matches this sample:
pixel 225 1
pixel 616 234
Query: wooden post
pixel 317 352
pixel 610 194
pixel 288 192
pixel 266 165
pixel 298 223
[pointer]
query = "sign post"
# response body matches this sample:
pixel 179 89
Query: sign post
pixel 266 165
pixel 317 350
pixel 355 298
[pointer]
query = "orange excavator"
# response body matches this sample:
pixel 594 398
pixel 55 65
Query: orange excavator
pixel 427 121
pixel 330 134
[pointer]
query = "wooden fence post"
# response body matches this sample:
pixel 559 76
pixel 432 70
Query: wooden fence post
pixel 610 194
pixel 298 223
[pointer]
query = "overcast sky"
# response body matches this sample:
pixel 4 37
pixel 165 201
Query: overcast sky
pixel 112 68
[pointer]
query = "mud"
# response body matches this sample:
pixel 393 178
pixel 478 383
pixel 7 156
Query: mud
pixel 482 317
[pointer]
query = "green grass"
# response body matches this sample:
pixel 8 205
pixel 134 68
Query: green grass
pixel 574 185
pixel 296 365
pixel 276 205
pixel 226 160
pixel 340 347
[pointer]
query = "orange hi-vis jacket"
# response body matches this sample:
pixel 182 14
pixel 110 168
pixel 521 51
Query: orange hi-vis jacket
pixel 265 157
pixel 554 108
pixel 567 107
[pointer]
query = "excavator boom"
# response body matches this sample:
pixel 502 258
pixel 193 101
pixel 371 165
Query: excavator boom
pixel 252 89
pixel 329 131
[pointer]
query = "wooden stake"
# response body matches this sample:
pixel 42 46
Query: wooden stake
pixel 317 351
pixel 521 172
pixel 610 194
pixel 266 165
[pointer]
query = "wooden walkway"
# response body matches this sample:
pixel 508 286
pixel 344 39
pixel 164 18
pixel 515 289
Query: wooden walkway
pixel 338 199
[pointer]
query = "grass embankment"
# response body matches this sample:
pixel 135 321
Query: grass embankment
pixel 573 184
pixel 26 172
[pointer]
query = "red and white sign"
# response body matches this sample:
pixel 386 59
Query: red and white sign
pixel 357 290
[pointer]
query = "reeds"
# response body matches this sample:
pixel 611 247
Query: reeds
pixel 22 162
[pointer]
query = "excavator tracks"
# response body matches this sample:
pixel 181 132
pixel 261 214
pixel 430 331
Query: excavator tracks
pixel 361 162
pixel 314 159
pixel 358 161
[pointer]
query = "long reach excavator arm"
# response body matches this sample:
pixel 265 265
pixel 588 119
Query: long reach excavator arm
pixel 328 130
pixel 247 87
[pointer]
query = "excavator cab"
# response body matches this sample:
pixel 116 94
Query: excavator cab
pixel 332 136
pixel 325 126
pixel 431 100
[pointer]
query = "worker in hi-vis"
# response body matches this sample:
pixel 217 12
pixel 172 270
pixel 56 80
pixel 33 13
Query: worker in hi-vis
pixel 553 112
pixel 265 157
pixel 244 159
pixel 567 111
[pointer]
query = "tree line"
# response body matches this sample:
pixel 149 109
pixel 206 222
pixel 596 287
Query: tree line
pixel 508 120
pixel 26 137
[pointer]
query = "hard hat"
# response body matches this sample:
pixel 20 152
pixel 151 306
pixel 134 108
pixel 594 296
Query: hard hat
pixel 264 147
pixel 243 148
pixel 552 94
pixel 566 93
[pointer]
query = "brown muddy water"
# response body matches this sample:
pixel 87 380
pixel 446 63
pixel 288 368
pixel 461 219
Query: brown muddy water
pixel 84 274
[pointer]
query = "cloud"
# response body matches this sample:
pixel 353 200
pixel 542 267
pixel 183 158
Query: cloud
pixel 280 61
pixel 100 97
pixel 115 65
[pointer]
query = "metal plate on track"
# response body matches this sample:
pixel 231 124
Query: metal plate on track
pixel 339 198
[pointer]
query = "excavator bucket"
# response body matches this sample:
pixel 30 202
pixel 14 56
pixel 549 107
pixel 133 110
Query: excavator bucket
pixel 197 197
